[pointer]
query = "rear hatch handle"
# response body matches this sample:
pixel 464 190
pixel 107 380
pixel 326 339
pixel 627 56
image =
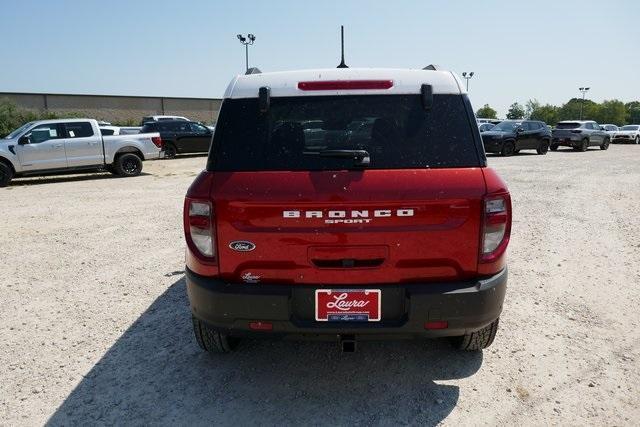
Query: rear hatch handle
pixel 360 157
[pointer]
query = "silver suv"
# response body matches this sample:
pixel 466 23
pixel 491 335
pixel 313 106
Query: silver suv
pixel 579 135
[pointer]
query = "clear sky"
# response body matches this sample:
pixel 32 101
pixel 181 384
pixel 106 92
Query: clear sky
pixel 519 50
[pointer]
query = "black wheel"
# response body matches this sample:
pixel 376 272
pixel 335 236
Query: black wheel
pixel 128 164
pixel 170 151
pixel 554 147
pixel 477 340
pixel 508 148
pixel 516 151
pixel 6 174
pixel 605 144
pixel 212 340
pixel 543 148
pixel 585 145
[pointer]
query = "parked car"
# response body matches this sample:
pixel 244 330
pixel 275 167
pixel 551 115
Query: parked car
pixel 483 127
pixel 610 129
pixel 148 119
pixel 402 233
pixel 510 136
pixel 72 145
pixel 579 135
pixel 627 134
pixel 181 136
pixel 492 121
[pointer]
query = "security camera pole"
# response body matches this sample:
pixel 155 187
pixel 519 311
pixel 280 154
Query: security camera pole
pixel 246 41
pixel 584 91
pixel 467 76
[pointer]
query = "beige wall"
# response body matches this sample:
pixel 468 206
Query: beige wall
pixel 118 109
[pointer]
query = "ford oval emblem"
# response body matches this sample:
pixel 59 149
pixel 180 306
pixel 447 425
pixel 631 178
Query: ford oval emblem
pixel 242 246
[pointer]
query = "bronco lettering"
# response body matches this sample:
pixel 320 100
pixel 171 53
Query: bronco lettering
pixel 360 216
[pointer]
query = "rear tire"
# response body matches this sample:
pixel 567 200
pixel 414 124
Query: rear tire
pixel 585 145
pixel 128 164
pixel 6 174
pixel 477 340
pixel 543 148
pixel 170 151
pixel 605 144
pixel 554 148
pixel 508 148
pixel 213 341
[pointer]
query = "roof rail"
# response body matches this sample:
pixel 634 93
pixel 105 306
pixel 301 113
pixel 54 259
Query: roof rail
pixel 253 70
pixel 433 67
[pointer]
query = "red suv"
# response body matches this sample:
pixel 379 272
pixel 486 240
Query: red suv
pixel 346 204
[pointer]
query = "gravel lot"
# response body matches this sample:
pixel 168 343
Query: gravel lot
pixel 95 325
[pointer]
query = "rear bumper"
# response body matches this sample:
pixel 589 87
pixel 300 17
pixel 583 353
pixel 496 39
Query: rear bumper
pixel 230 307
pixel 623 140
pixel 154 155
pixel 567 141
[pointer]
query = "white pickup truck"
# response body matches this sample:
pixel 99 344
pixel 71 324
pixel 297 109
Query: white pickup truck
pixel 73 145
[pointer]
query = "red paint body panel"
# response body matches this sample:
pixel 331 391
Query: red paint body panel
pixel 439 242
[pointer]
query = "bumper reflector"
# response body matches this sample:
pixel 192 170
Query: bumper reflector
pixel 436 324
pixel 261 326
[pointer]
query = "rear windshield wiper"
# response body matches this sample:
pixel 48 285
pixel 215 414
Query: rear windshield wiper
pixel 360 157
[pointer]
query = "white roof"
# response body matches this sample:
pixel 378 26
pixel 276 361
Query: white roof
pixel 576 121
pixel 285 83
pixel 69 120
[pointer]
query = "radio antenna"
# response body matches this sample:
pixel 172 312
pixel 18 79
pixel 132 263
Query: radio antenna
pixel 342 64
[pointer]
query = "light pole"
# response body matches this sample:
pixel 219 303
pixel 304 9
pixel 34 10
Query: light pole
pixel 246 41
pixel 467 76
pixel 584 92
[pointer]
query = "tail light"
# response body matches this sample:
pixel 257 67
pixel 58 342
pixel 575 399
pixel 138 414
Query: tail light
pixel 157 141
pixel 199 228
pixel 496 227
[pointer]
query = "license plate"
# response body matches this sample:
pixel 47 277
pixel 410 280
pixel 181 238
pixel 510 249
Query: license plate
pixel 348 305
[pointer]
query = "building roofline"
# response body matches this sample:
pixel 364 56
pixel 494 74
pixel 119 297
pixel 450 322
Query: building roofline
pixel 107 96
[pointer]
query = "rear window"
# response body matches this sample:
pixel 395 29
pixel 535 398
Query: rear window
pixel 79 129
pixel 394 129
pixel 149 127
pixel 106 132
pixel 568 125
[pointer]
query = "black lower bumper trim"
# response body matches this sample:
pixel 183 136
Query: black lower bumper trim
pixel 230 307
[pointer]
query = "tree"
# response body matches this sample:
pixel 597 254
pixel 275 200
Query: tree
pixel 633 112
pixel 516 111
pixel 530 107
pixel 546 113
pixel 612 111
pixel 571 110
pixel 12 117
pixel 486 112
